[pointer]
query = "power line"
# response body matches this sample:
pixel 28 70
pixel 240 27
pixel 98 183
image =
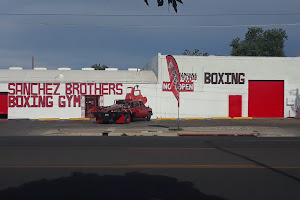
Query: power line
pixel 144 15
pixel 153 26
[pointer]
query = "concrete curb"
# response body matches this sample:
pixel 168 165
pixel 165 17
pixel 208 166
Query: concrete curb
pixel 19 119
pixel 79 119
pixel 166 118
pixel 193 118
pixel 187 118
pixel 48 119
pixel 243 118
pixel 221 117
pixel 191 134
pixel 53 119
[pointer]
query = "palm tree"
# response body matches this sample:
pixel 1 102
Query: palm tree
pixel 161 3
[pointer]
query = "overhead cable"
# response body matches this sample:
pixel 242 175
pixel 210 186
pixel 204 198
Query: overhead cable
pixel 153 26
pixel 152 15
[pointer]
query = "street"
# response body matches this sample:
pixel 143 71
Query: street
pixel 150 167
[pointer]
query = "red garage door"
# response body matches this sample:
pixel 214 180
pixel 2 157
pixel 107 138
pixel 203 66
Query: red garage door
pixel 266 99
pixel 3 105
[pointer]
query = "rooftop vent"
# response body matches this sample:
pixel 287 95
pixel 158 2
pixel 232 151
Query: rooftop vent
pixel 111 69
pixel 64 68
pixel 16 68
pixel 134 69
pixel 40 68
pixel 87 69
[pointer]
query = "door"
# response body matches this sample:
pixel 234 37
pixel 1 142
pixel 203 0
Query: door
pixel 144 109
pixel 137 109
pixel 91 103
pixel 3 105
pixel 266 99
pixel 235 105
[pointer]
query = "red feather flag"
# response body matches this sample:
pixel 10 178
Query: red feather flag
pixel 174 76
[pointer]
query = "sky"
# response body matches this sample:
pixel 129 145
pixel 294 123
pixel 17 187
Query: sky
pixel 128 34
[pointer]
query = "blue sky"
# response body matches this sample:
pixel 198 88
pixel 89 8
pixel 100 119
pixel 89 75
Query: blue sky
pixel 55 45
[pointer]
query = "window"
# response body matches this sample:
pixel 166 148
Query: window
pixel 142 104
pixel 136 104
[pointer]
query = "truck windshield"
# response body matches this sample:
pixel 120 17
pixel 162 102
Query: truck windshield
pixel 125 103
pixel 119 102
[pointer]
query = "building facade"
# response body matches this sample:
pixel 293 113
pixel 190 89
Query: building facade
pixel 211 86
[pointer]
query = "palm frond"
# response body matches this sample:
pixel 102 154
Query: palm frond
pixel 161 3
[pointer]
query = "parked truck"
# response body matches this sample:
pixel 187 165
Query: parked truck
pixel 123 111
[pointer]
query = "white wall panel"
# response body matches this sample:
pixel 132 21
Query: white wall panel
pixel 211 100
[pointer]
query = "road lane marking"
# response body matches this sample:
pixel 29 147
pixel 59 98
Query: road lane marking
pixel 258 140
pixel 156 148
pixel 129 148
pixel 148 166
pixel 171 148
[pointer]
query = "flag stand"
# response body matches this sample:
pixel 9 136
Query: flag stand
pixel 175 80
pixel 178 113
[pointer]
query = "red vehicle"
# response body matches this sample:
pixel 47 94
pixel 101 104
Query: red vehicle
pixel 135 94
pixel 123 111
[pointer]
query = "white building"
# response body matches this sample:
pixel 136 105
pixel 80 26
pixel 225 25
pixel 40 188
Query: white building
pixel 213 86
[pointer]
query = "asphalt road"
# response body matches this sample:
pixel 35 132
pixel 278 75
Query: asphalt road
pixel 149 168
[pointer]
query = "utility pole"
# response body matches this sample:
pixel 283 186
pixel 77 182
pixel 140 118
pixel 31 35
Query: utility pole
pixel 32 62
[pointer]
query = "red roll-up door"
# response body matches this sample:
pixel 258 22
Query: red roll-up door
pixel 3 103
pixel 266 99
pixel 235 105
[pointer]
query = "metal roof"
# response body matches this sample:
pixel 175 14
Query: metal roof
pixel 103 76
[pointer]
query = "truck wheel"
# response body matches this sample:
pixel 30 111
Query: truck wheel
pixel 149 116
pixel 126 119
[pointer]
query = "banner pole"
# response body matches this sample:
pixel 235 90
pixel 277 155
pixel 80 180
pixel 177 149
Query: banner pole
pixel 178 113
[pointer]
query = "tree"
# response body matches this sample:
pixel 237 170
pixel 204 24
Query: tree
pixel 260 43
pixel 161 3
pixel 99 66
pixel 196 52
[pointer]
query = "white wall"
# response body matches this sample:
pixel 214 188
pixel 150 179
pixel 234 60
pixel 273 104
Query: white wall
pixel 207 100
pixel 3 87
pixel 212 100
pixel 74 111
pixel 46 112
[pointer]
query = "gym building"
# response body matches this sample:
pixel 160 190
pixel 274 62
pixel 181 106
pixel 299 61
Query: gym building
pixel 210 86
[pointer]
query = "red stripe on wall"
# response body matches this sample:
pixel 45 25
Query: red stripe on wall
pixel 3 104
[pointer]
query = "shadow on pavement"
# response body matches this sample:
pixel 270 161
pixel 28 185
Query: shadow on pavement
pixel 133 186
pixel 257 163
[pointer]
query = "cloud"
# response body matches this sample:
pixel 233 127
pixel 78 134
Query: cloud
pixel 56 46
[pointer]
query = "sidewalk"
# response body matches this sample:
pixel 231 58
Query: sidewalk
pixel 206 127
pixel 187 131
